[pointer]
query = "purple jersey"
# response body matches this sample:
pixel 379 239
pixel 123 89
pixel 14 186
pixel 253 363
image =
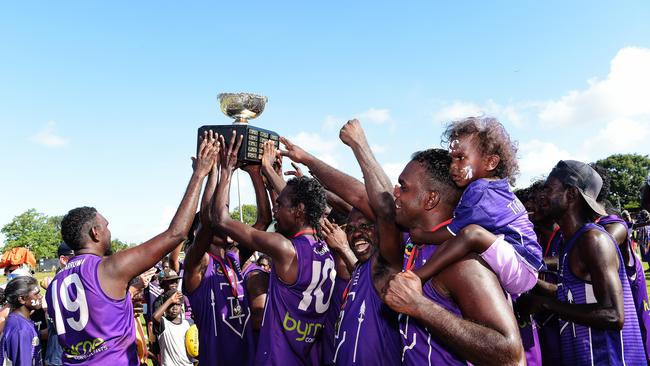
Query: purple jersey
pixel 548 325
pixel 419 347
pixel 20 344
pixel 294 314
pixel 329 342
pixel 493 206
pixel 634 271
pixel 225 333
pixel 530 341
pixel 584 345
pixel 101 336
pixel 368 331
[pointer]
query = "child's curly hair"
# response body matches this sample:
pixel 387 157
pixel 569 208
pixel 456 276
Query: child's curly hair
pixel 492 139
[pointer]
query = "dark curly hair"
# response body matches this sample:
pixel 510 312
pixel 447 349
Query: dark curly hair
pixel 491 138
pixel 436 162
pixel 75 223
pixel 531 192
pixel 311 194
pixel 18 287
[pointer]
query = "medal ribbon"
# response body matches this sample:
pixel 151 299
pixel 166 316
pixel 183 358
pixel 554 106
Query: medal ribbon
pixel 548 245
pixel 231 282
pixel 304 232
pixel 410 263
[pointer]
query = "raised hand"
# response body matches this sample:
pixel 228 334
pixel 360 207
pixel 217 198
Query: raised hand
pixel 229 153
pixel 204 161
pixel 293 152
pixel 269 156
pixel 352 132
pixel 297 172
pixel 335 237
pixel 177 297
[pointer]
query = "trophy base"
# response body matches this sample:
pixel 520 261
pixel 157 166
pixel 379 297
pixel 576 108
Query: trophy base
pixel 252 145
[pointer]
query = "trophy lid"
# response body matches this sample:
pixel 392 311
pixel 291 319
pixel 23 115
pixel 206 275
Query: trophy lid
pixel 242 106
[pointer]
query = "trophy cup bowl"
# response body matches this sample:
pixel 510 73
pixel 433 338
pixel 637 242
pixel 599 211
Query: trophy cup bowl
pixel 242 106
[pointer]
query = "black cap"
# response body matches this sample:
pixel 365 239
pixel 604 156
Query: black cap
pixel 584 178
pixel 64 250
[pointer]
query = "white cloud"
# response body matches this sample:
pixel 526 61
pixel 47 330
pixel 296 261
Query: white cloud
pixel 619 136
pixel 315 144
pixel 537 158
pixel 47 136
pixel 460 109
pixel 374 115
pixel 393 170
pixel 623 95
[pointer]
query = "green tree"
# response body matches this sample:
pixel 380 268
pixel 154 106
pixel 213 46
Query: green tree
pixel 627 174
pixel 35 231
pixel 117 245
pixel 250 214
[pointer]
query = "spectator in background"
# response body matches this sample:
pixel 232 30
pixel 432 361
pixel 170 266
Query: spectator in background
pixel 20 343
pixel 172 326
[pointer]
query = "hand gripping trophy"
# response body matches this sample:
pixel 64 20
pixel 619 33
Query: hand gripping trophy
pixel 242 107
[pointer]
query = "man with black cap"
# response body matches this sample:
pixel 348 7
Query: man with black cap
pixel 598 323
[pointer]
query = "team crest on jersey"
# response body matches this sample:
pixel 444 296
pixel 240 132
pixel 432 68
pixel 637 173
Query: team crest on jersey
pixel 35 341
pixel 321 249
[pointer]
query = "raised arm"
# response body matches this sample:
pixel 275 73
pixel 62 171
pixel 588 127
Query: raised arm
pixel 268 160
pixel 349 189
pixel 379 191
pixel 279 248
pixel 263 219
pixel 116 271
pixel 196 259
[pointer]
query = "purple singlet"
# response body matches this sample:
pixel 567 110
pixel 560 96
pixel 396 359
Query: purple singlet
pixel 329 342
pixel 638 287
pixel 419 347
pixel 93 329
pixel 225 333
pixel 294 314
pixel 368 331
pixel 584 345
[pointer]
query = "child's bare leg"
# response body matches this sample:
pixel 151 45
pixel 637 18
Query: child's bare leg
pixel 472 239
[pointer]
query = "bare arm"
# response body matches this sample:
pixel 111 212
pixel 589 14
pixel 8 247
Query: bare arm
pixel 196 259
pixel 158 314
pixel 257 285
pixel 600 262
pixel 349 189
pixel 174 262
pixel 268 159
pixel 487 334
pixel 279 248
pixel 115 271
pixel 379 190
pixel 343 255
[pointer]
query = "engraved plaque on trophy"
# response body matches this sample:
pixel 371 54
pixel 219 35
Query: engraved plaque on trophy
pixel 242 107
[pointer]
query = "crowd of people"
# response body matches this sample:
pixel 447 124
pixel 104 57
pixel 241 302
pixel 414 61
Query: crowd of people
pixel 450 266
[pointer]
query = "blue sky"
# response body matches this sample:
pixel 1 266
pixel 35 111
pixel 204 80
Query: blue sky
pixel 100 101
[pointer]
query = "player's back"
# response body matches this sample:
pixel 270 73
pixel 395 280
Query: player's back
pixel 92 328
pixel 295 313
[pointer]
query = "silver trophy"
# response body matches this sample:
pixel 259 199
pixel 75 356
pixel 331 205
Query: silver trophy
pixel 242 107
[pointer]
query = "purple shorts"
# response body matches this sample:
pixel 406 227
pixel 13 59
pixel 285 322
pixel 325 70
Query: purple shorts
pixel 514 273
